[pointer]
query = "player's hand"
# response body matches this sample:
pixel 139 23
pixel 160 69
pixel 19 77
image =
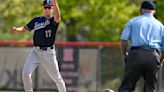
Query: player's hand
pixel 54 1
pixel 13 29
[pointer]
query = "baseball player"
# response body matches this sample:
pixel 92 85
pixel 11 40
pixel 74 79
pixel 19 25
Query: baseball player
pixel 43 52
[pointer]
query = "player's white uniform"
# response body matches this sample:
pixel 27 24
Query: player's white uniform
pixel 48 60
pixel 43 52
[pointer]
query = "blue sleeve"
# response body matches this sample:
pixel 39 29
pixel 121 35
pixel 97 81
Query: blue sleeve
pixel 162 46
pixel 126 32
pixel 30 25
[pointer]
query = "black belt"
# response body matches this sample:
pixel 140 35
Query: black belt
pixel 44 48
pixel 144 48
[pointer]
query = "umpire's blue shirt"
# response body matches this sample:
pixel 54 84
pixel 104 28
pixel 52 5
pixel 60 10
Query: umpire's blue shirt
pixel 144 30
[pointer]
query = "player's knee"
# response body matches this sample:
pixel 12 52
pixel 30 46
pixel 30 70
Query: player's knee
pixel 59 80
pixel 26 76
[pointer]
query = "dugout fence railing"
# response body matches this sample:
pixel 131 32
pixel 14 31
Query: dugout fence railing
pixel 85 66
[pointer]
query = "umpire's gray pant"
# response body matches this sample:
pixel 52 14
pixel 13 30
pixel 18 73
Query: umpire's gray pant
pixel 141 62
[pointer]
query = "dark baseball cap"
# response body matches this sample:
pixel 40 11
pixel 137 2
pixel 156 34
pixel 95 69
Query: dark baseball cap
pixel 47 2
pixel 148 5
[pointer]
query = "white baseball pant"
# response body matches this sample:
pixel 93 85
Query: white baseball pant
pixel 47 58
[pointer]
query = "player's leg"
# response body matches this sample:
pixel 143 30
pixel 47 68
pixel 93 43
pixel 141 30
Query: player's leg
pixel 29 66
pixel 51 66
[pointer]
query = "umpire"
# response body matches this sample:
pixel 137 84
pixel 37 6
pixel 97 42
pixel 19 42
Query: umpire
pixel 142 59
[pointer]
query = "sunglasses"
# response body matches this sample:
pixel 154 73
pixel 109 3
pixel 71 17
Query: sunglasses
pixel 47 7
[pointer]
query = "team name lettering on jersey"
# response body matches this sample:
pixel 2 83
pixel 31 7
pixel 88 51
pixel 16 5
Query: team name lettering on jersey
pixel 41 25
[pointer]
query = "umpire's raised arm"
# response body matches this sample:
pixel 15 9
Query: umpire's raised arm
pixel 56 11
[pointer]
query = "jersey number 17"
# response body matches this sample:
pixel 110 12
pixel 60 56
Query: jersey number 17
pixel 48 33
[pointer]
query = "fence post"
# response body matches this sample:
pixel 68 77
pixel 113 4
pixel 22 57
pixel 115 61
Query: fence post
pixel 99 68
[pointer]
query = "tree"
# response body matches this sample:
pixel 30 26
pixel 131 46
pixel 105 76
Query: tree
pixel 17 13
pixel 84 20
pixel 160 7
pixel 92 20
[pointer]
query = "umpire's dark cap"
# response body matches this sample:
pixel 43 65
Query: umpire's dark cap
pixel 47 2
pixel 148 5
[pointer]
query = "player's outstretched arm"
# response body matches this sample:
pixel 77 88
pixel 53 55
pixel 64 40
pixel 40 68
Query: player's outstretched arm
pixel 57 17
pixel 19 29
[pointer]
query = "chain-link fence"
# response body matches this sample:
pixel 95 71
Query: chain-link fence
pixel 85 67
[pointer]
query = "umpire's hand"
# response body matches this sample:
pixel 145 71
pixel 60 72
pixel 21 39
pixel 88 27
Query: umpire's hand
pixel 125 57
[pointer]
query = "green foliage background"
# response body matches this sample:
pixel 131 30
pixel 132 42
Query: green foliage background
pixel 82 20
